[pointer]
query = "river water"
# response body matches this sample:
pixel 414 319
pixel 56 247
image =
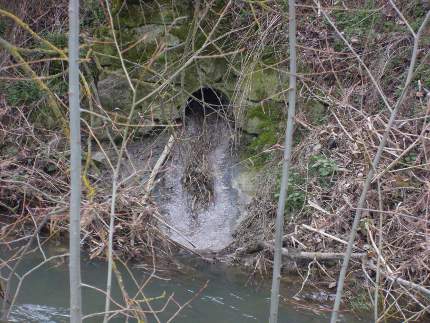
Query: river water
pixel 230 297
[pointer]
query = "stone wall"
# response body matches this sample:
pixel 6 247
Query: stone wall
pixel 155 40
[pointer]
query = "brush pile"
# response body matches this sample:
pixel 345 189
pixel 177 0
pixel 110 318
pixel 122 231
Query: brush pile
pixel 34 152
pixel 198 177
pixel 339 125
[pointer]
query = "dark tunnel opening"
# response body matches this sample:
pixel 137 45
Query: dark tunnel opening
pixel 207 102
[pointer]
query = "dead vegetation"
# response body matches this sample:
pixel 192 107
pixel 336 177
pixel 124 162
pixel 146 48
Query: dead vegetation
pixel 34 171
pixel 198 176
pixel 333 153
pixel 335 146
pixel 205 124
pixel 34 186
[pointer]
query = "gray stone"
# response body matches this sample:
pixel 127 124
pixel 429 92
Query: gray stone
pixel 253 126
pixel 262 84
pixel 153 33
pixel 116 96
pixel 115 93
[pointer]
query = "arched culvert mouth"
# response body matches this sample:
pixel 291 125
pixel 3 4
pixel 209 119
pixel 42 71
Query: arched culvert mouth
pixel 205 102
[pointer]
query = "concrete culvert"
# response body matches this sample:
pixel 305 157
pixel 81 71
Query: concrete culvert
pixel 206 122
pixel 207 102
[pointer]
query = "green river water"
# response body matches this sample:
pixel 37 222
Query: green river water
pixel 230 296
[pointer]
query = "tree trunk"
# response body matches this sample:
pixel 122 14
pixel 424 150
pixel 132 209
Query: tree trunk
pixel 276 279
pixel 75 161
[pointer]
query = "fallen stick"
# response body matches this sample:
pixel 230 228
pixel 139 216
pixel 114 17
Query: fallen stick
pixel 403 282
pixel 150 183
pixel 326 235
pixel 378 252
pixel 301 255
pixel 319 255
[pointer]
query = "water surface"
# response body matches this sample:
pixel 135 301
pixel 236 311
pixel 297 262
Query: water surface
pixel 229 296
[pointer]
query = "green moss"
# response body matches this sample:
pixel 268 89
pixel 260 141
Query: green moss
pixel 22 92
pixel 268 111
pixel 357 22
pixel 422 73
pixel 27 93
pixel 59 39
pixel 93 14
pixel 271 126
pixel 418 15
pixel 315 112
pixel 131 16
pixel 414 14
pixel 102 32
pixel 360 302
pixel 59 86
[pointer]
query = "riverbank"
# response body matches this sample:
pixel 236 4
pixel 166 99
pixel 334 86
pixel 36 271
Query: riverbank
pixel 155 59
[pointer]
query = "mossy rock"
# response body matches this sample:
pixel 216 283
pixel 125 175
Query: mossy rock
pixel 266 123
pixel 214 69
pixel 140 44
pixel 156 12
pixel 151 33
pixel 182 30
pixel 104 47
pixel 191 77
pixel 114 92
pixel 263 83
pixel 116 96
pixel 144 41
